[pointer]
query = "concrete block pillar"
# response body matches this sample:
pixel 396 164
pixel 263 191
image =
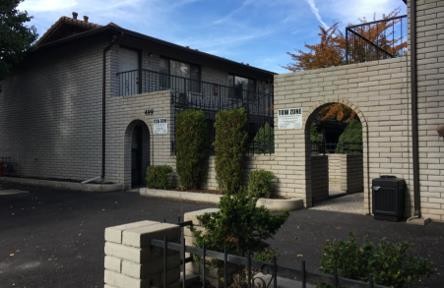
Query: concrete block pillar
pixel 132 262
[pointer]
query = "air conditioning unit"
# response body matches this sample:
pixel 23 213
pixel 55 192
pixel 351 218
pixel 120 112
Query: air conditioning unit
pixel 388 198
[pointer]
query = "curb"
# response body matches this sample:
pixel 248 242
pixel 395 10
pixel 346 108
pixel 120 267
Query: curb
pixel 65 185
pixel 290 204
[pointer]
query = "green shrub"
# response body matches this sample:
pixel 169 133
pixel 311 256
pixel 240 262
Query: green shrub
pixel 389 263
pixel 230 147
pixel 351 139
pixel 264 140
pixel 160 177
pixel 192 148
pixel 239 225
pixel 261 184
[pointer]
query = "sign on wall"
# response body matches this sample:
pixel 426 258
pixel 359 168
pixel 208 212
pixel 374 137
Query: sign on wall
pixel 160 126
pixel 290 118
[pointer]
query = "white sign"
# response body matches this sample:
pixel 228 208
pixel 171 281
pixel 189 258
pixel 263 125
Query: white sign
pixel 290 118
pixel 160 126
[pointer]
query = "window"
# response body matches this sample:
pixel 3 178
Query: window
pixel 242 87
pixel 164 70
pixel 187 76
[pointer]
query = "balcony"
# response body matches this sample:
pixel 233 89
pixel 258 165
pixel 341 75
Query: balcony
pixel 188 93
pixel 377 40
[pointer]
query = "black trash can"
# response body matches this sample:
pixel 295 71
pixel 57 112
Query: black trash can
pixel 388 199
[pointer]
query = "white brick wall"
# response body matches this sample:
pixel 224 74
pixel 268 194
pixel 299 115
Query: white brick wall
pixel 50 114
pixel 378 91
pixel 132 262
pixel 430 30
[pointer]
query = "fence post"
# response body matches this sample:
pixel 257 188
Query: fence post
pixel 249 276
pixel 184 270
pixel 165 264
pixel 129 258
pixel 371 281
pixel 275 268
pixel 225 267
pixel 204 254
pixel 304 280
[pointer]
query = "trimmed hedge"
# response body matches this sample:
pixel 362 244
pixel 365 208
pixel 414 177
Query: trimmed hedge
pixel 192 148
pixel 389 263
pixel 160 177
pixel 261 184
pixel 264 140
pixel 230 146
pixel 351 139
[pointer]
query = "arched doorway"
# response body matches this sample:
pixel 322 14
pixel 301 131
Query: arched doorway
pixel 335 135
pixel 138 149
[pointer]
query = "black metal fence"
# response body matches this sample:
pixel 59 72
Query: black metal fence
pixel 272 273
pixel 376 40
pixel 346 147
pixel 190 93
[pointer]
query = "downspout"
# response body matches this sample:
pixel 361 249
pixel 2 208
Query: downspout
pixel 414 107
pixel 105 50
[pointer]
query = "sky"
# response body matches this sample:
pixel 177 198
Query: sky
pixel 257 32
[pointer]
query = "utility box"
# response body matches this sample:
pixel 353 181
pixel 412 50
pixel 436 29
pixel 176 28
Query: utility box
pixel 388 199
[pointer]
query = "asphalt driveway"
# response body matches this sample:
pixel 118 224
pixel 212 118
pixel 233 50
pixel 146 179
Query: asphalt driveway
pixel 55 238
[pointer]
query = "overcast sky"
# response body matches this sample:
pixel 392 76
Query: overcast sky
pixel 258 32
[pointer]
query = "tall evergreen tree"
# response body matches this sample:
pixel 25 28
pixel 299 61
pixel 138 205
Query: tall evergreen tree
pixel 15 36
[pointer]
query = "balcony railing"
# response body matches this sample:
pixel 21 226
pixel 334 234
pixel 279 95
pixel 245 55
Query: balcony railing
pixel 189 93
pixel 376 40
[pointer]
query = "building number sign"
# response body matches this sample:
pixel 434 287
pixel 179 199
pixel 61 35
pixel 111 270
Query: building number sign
pixel 290 118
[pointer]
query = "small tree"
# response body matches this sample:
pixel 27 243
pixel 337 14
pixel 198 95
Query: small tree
pixel 230 148
pixel 192 148
pixel 15 37
pixel 261 183
pixel 351 139
pixel 264 140
pixel 239 226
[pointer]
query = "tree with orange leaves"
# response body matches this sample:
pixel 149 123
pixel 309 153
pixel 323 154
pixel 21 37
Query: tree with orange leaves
pixel 329 52
pixel 331 49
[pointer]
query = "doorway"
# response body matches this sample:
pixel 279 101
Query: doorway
pixel 139 153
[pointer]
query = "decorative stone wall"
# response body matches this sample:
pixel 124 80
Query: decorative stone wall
pixel 132 262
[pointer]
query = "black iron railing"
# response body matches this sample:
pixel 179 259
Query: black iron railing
pixel 346 147
pixel 376 40
pixel 190 93
pixel 271 272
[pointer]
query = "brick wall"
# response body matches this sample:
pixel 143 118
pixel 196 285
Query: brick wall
pixel 378 91
pixel 254 162
pixel 430 43
pixel 50 114
pixel 132 262
pixel 337 172
pixel 345 173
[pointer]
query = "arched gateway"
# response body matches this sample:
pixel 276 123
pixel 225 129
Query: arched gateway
pixel 137 139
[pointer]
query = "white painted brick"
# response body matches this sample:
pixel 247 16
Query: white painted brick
pixel 113 263
pixel 114 234
pixel 141 236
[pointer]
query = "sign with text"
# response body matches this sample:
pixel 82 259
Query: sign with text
pixel 290 118
pixel 160 126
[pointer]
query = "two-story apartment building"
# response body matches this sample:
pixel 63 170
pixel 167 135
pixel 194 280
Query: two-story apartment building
pixel 94 100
